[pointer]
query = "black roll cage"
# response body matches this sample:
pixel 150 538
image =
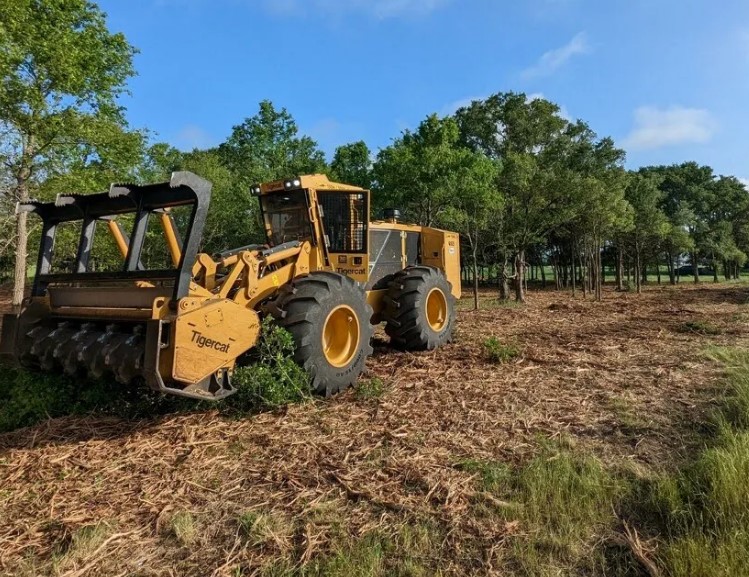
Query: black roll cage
pixel 183 189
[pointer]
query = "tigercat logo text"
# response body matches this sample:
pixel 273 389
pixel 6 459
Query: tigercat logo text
pixel 204 342
pixel 348 271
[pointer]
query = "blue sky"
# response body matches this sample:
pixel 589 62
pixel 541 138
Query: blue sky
pixel 667 79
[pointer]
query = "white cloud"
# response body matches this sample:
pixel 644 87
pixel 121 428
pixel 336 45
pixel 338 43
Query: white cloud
pixel 661 127
pixel 745 182
pixel 379 9
pixel 192 136
pixel 553 60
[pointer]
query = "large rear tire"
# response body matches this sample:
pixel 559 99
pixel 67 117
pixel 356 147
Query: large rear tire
pixel 328 316
pixel 420 309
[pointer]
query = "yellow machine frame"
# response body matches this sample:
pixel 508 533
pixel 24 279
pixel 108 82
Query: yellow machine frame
pixel 190 345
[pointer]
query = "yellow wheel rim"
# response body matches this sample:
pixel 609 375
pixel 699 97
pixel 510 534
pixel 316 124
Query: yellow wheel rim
pixel 340 336
pixel 436 309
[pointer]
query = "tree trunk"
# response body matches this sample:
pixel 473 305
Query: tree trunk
pixel 671 269
pixel 19 274
pixel 573 275
pixel 543 274
pixel 695 268
pixel 22 238
pixel 475 281
pixel 638 271
pixel 504 289
pixel 519 276
pixel 601 272
pixel 619 268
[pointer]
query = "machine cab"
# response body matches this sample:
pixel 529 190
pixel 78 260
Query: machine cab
pixel 332 217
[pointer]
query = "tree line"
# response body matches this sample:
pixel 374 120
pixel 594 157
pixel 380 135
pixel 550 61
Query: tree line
pixel 528 189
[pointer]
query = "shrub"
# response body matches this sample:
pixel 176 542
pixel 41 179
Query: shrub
pixel 272 378
pixel 498 352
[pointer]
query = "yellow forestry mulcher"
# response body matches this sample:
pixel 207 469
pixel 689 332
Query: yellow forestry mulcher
pixel 180 319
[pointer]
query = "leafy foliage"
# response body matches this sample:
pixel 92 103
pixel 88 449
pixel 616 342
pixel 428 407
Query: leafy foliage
pixel 352 164
pixel 499 352
pixel 62 72
pixel 273 378
pixel 269 379
pixel 267 147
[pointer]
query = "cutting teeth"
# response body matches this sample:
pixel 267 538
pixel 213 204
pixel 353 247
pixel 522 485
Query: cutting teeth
pixel 103 347
pixel 44 349
pixel 86 349
pixel 67 353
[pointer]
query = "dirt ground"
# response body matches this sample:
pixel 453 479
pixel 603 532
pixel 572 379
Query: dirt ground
pixel 626 379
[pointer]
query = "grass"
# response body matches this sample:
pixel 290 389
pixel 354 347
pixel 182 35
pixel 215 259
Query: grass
pixel 76 548
pixel 566 506
pixel 498 352
pixel 570 509
pixel 368 389
pixel 629 417
pixel 410 552
pixel 183 527
pixel 705 508
pixel 265 529
pixel 700 328
pixel 492 475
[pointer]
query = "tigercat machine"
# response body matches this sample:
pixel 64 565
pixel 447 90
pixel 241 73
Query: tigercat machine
pixel 179 319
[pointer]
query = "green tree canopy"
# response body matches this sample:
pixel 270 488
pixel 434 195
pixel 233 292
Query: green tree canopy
pixel 352 164
pixel 62 71
pixel 267 146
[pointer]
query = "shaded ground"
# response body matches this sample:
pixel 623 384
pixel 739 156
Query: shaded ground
pixel 624 379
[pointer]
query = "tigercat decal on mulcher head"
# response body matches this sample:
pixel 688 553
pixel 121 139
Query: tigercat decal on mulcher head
pixel 204 342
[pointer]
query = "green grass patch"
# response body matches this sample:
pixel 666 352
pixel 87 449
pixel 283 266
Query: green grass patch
pixel 631 419
pixel 566 505
pixel 703 511
pixel 499 352
pixel 367 389
pixel 700 328
pixel 78 546
pixel 492 475
pixel 265 529
pixel 411 551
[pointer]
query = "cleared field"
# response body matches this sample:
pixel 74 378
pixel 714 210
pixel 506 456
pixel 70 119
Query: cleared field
pixel 402 475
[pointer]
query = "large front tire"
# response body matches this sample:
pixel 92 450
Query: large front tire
pixel 420 309
pixel 328 316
